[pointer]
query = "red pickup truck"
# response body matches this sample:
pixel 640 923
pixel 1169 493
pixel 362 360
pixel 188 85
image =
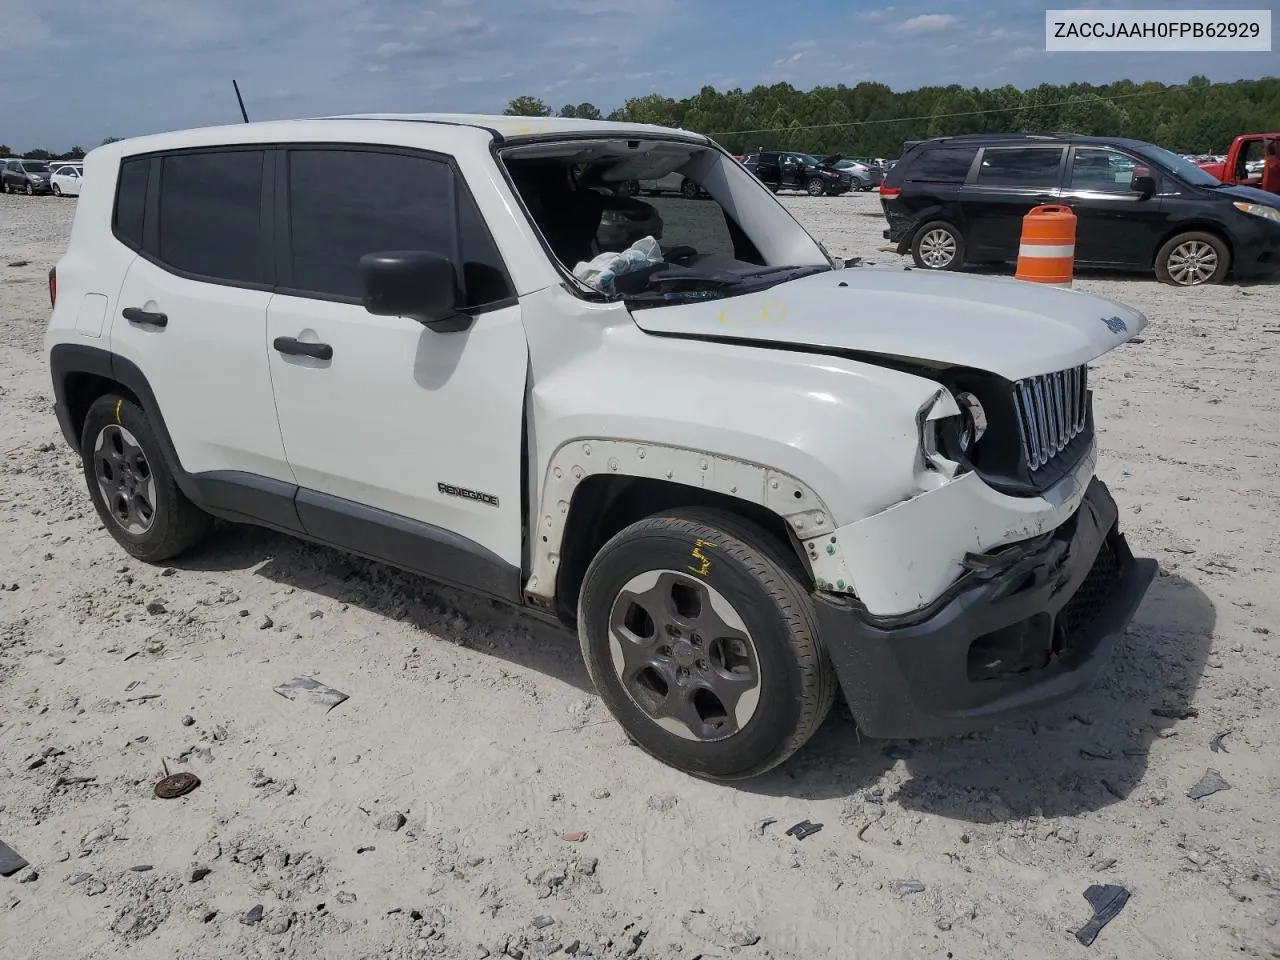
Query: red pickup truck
pixel 1244 161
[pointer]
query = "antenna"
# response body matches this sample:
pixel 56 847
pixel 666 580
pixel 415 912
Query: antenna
pixel 243 113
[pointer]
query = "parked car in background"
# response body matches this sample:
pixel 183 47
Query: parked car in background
pixel 25 176
pixel 782 170
pixel 671 183
pixel 64 181
pixel 1243 163
pixel 866 175
pixel 960 200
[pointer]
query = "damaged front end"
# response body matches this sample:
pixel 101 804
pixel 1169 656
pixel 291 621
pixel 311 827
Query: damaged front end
pixel 1025 625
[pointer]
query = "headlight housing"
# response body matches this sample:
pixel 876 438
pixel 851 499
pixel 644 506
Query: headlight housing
pixel 951 425
pixel 1258 210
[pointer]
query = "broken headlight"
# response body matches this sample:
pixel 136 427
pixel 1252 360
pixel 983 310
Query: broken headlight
pixel 950 428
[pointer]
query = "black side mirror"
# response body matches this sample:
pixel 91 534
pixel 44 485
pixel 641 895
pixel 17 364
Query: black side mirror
pixel 1144 187
pixel 413 283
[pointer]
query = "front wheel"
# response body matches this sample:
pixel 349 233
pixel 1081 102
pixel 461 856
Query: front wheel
pixel 57 190
pixel 1192 259
pixel 938 246
pixel 131 484
pixel 31 191
pixel 815 187
pixel 704 644
pixel 689 190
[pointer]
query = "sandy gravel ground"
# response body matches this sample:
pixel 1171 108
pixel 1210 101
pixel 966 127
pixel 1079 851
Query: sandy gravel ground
pixel 426 815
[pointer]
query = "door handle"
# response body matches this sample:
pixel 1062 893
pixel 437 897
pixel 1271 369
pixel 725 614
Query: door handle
pixel 298 348
pixel 144 317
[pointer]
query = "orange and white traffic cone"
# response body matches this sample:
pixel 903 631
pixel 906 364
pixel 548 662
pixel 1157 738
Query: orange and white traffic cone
pixel 1047 253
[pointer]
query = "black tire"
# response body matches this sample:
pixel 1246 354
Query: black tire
pixel 627 188
pixel 928 256
pixel 176 524
pixel 796 684
pixel 689 190
pixel 57 190
pixel 31 191
pixel 1180 272
pixel 816 187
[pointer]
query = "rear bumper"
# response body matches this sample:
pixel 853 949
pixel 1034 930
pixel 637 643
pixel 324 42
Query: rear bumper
pixel 1005 642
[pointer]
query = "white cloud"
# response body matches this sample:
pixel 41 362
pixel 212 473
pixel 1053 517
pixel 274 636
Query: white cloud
pixel 879 16
pixel 928 23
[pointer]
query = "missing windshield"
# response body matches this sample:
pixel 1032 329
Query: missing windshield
pixel 644 219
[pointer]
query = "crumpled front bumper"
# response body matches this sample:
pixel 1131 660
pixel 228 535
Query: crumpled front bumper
pixel 1030 624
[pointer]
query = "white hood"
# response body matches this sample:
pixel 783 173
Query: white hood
pixel 1009 327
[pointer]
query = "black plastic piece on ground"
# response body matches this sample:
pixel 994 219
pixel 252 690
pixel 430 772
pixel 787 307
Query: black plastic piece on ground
pixel 1107 901
pixel 804 828
pixel 10 861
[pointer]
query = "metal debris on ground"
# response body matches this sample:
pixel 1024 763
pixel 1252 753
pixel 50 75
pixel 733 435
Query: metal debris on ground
pixel 1107 901
pixel 312 691
pixel 176 785
pixel 805 828
pixel 10 860
pixel 1212 782
pixel 1176 713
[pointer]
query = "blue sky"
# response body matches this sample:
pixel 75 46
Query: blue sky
pixel 75 71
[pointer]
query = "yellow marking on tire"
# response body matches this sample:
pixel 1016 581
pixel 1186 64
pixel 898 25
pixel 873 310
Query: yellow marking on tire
pixel 704 562
pixel 118 405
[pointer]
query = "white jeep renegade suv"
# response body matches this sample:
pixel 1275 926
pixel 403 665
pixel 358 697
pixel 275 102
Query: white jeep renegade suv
pixel 746 472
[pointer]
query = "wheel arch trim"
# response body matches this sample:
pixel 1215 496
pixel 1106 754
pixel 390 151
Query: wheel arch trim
pixel 791 499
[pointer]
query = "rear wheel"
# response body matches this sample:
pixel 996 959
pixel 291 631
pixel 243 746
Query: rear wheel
pixel 1192 259
pixel 815 187
pixel 131 484
pixel 57 190
pixel 704 644
pixel 938 246
pixel 31 191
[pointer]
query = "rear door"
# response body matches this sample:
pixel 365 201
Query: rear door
pixel 1007 183
pixel 192 311
pixel 1115 225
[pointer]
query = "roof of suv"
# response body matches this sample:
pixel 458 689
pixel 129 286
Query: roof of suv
pixel 500 129
pixel 984 138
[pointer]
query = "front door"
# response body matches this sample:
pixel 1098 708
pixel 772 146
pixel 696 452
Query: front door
pixel 406 442
pixel 1009 182
pixel 1115 225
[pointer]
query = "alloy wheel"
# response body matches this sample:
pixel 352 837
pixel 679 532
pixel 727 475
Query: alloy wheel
pixel 938 249
pixel 684 655
pixel 124 479
pixel 1192 263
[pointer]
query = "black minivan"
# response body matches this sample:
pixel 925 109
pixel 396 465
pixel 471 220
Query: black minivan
pixel 954 201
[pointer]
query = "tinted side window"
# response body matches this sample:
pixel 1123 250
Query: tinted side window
pixel 131 201
pixel 1102 171
pixel 211 213
pixel 346 203
pixel 940 165
pixel 1020 166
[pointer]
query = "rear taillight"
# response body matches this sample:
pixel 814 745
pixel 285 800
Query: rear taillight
pixel 890 192
pixel 53 286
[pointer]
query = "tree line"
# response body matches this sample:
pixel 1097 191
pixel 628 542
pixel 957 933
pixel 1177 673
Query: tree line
pixel 40 153
pixel 872 120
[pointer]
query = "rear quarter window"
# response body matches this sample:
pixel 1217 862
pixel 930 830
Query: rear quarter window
pixel 940 164
pixel 129 215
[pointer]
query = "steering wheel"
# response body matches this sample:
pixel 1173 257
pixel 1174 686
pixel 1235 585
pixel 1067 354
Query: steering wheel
pixel 683 252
